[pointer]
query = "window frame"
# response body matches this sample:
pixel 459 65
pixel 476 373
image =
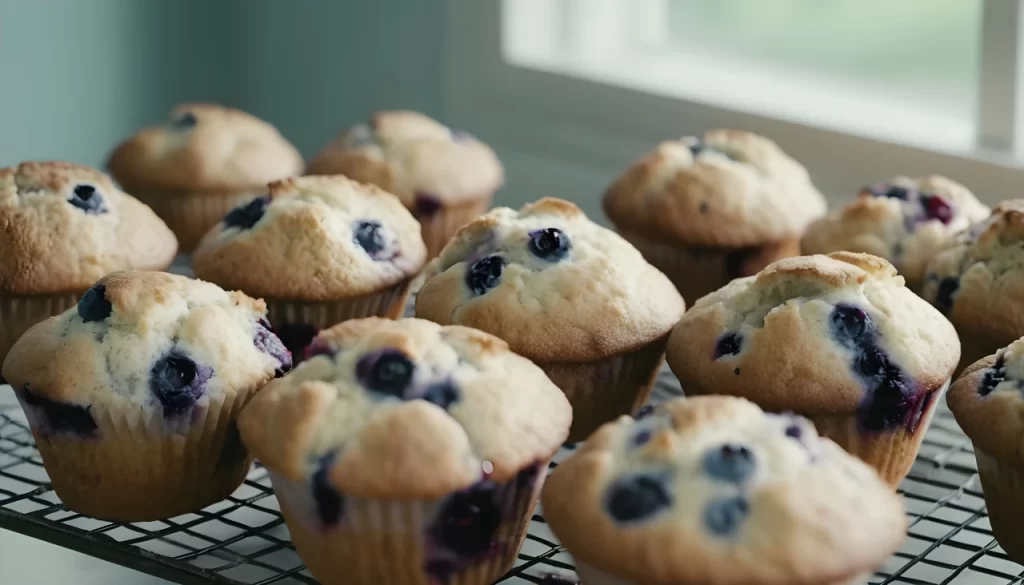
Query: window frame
pixel 602 125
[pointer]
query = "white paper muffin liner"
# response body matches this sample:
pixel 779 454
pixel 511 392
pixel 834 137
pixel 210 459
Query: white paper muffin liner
pixel 378 541
pixel 137 466
pixel 19 313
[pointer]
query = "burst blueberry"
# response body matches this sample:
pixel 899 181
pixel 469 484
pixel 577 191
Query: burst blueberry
pixel 184 121
pixel 636 498
pixel 177 382
pixel 850 325
pixel 94 306
pixel 247 215
pixel 730 343
pixel 550 244
pixel 485 274
pixel 369 235
pixel 265 341
pixel 889 398
pixel 993 377
pixel 732 463
pixel 936 207
pixel 723 517
pixel 891 192
pixel 468 520
pixel 329 503
pixel 88 199
pixel 60 417
pixel 443 394
pixel 426 204
pixel 388 372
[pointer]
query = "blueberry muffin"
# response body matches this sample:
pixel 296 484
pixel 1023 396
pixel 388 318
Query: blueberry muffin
pixel 706 211
pixel 200 164
pixel 62 227
pixel 406 453
pixel 906 221
pixel 133 394
pixel 570 295
pixel 319 250
pixel 978 282
pixel 988 403
pixel 445 177
pixel 838 339
pixel 713 490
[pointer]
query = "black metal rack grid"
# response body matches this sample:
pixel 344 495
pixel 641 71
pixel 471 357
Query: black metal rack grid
pixel 243 540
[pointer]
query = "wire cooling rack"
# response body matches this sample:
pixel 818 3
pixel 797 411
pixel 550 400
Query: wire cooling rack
pixel 243 540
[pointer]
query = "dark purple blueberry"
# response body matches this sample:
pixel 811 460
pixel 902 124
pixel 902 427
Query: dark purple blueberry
pixel 850 326
pixel 636 498
pixel 368 236
pixel 246 215
pixel 485 274
pixel 919 411
pixel 426 205
pixel 794 431
pixel 935 207
pixel 265 341
pixel 88 199
pixel 732 463
pixel 993 377
pixel 550 244
pixel 468 520
pixel 94 306
pixel 644 412
pixel 642 437
pixel 55 417
pixel 442 394
pixel 945 296
pixel 184 121
pixel 388 372
pixel 329 503
pixel 699 147
pixel 724 517
pixel 460 136
pixel 296 337
pixel 889 399
pixel 730 343
pixel 890 191
pixel 177 382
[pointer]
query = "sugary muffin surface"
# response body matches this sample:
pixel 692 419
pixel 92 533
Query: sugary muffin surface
pixel 904 220
pixel 205 147
pixel 832 334
pixel 727 189
pixel 162 343
pixel 313 238
pixel 553 284
pixel 419 159
pixel 406 409
pixel 63 226
pixel 713 490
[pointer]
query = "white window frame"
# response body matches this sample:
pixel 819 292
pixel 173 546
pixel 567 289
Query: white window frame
pixel 561 118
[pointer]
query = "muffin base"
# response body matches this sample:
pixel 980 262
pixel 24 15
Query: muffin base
pixel 604 390
pixel 439 226
pixel 590 575
pixel 1002 484
pixel 891 453
pixel 384 541
pixel 697 272
pixel 19 313
pixel 297 322
pixel 140 467
pixel 190 214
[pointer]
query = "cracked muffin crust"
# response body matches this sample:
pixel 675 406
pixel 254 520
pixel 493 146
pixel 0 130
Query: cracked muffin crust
pixel 320 250
pixel 146 360
pixel 712 489
pixel 837 338
pixel 203 161
pixel 442 429
pixel 904 220
pixel 978 283
pixel 708 210
pixel 988 403
pixel 445 177
pixel 570 295
pixel 62 227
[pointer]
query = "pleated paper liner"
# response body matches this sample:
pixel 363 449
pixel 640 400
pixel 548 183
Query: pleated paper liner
pixel 438 226
pixel 190 214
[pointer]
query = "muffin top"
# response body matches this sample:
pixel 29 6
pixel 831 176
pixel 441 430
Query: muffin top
pixel 837 334
pixel 979 280
pixel 313 239
pixel 731 189
pixel 163 343
pixel 205 147
pixel 406 409
pixel 713 490
pixel 63 226
pixel 988 403
pixel 554 285
pixel 422 161
pixel 904 220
